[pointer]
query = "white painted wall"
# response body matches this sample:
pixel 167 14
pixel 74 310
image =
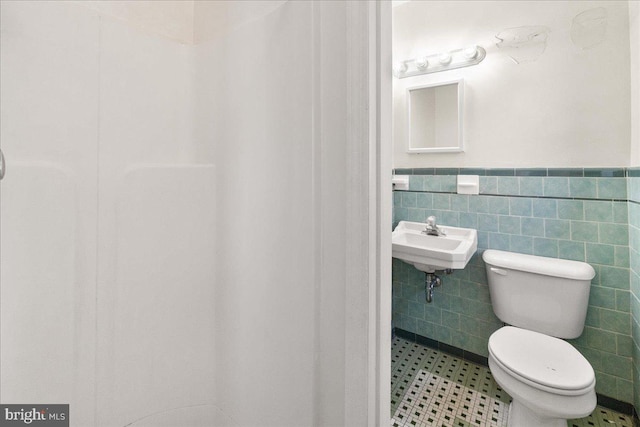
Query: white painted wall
pixel 569 108
pixel 634 44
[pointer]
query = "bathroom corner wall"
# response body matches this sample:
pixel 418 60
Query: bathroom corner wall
pixel 634 192
pixel 549 112
pixel 214 20
pixel 634 50
pixel 634 253
pixel 170 19
pixel 578 214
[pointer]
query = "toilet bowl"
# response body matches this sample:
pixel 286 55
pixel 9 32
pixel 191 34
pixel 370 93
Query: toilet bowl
pixel 548 379
pixel 544 300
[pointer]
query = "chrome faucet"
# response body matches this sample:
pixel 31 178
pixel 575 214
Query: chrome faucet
pixel 431 229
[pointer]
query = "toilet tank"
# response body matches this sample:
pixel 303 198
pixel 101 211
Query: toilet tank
pixel 546 295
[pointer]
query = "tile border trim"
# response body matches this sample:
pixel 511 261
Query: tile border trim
pixel 437 345
pixel 524 196
pixel 539 172
pixel 606 401
pixel 612 185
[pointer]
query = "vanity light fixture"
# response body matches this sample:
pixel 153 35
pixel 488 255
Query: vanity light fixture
pixel 421 63
pixel 444 61
pixel 470 52
pixel 444 58
pixel 400 68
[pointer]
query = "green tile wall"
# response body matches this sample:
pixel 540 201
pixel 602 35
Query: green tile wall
pixel 634 257
pixel 581 215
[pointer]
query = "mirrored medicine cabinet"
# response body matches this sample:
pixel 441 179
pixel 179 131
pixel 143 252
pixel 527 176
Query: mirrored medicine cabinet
pixel 434 117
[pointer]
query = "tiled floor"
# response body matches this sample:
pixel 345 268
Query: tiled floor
pixel 431 388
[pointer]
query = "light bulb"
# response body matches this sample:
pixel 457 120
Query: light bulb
pixel 399 68
pixel 444 58
pixel 421 63
pixel 470 52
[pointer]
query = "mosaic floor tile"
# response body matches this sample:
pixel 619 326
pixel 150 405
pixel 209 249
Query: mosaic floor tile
pixel 432 400
pixel 432 388
pixel 603 417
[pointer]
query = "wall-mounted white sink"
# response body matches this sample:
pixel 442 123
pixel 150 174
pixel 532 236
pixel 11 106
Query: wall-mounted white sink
pixel 430 253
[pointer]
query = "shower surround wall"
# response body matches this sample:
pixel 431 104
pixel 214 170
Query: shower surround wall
pixel 277 103
pixel 578 214
pixel 241 78
pixel 107 219
pixel 145 286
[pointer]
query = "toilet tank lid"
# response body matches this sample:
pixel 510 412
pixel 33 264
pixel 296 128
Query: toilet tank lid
pixel 555 267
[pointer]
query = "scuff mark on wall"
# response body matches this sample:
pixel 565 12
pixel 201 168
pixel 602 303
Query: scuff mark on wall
pixel 589 28
pixel 523 44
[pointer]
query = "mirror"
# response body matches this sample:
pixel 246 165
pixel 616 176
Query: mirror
pixel 435 118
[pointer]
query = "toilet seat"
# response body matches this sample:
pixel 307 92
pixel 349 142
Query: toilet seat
pixel 542 361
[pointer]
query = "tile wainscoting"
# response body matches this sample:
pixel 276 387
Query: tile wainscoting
pixel 590 215
pixel 633 186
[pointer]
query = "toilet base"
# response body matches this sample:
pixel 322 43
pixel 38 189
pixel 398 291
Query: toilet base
pixel 521 416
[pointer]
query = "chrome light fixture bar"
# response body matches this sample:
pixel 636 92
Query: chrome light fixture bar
pixel 458 58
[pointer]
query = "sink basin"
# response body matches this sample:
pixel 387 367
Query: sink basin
pixel 430 253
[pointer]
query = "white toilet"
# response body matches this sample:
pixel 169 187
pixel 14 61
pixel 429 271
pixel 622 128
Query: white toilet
pixel 545 299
